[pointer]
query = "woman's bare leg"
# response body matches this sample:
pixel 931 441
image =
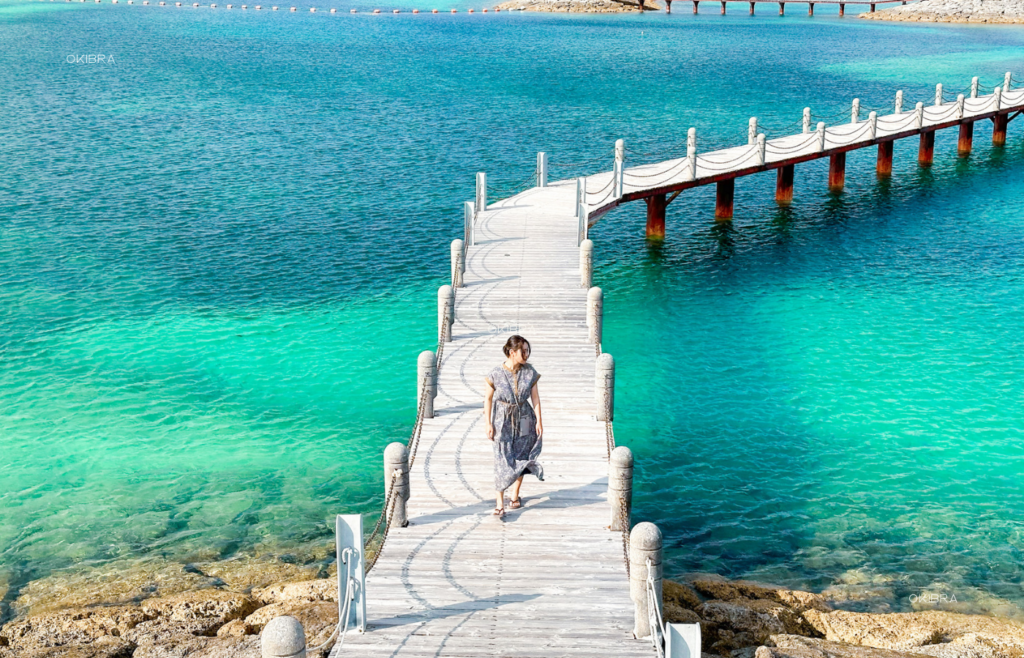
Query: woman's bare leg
pixel 499 500
pixel 515 488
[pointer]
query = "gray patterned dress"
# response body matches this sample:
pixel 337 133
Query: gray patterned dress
pixel 516 444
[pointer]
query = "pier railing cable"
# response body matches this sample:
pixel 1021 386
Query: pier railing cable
pixel 656 623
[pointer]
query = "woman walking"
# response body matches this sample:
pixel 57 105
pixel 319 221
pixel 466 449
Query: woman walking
pixel 512 423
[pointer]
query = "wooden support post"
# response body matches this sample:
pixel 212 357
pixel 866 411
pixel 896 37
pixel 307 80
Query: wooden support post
pixel 836 172
pixel 723 198
pixel 999 122
pixel 426 376
pixel 751 8
pixel 842 9
pixel 782 9
pixel 595 315
pixel 810 9
pixel 884 165
pixel 645 543
pixel 872 8
pixel 784 185
pixel 963 145
pixel 396 459
pixel 620 488
pixel 604 384
pixel 656 217
pixel 926 150
pixel 695 3
pixel 723 7
pixel 586 263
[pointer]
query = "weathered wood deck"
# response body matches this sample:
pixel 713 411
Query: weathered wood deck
pixel 548 579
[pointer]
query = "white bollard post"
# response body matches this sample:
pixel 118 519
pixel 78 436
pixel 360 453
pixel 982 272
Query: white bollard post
pixel 458 263
pixel 445 313
pixel 974 87
pixel 481 192
pixel 542 169
pixel 960 106
pixel 691 139
pixel 645 544
pixel 396 459
pixel 807 120
pixel 752 131
pixel 920 115
pixel 760 149
pixel 821 136
pixel 855 111
pixel 938 95
pixel 620 150
pixel 617 175
pixel 595 315
pixel 604 383
pixel 998 93
pixel 468 214
pixel 426 379
pixel 620 488
pixel 691 163
pixel 873 122
pixel 899 102
pixel 586 264
pixel 1006 82
pixel 581 209
pixel 283 637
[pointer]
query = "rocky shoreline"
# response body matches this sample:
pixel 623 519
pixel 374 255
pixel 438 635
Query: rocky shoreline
pixel 739 619
pixel 954 11
pixel 580 6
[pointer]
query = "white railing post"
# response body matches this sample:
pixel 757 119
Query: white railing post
pixel 445 313
pixel 1006 82
pixel 998 93
pixel 855 111
pixel 595 314
pixel 396 460
pixel 920 115
pixel 821 136
pixel 873 122
pixel 620 150
pixel 458 263
pixel 807 120
pixel 974 87
pixel 283 637
pixel 426 374
pixel 752 131
pixel 469 214
pixel 581 209
pixel 586 264
pixel 760 149
pixel 960 106
pixel 899 102
pixel 481 192
pixel 617 174
pixel 604 375
pixel 620 488
pixel 542 169
pixel 691 151
pixel 645 543
pixel 938 95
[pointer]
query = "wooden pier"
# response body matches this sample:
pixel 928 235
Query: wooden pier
pixel 782 4
pixel 548 579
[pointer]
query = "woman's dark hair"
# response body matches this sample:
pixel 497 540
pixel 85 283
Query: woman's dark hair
pixel 514 343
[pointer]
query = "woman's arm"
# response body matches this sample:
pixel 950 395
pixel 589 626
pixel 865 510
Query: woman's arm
pixel 535 397
pixel 488 403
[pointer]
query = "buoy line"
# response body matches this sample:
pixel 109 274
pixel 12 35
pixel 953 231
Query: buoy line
pixel 312 10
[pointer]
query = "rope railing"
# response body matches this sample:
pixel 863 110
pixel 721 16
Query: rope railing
pixel 657 624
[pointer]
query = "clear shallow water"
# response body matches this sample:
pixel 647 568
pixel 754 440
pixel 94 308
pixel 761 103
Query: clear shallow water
pixel 218 260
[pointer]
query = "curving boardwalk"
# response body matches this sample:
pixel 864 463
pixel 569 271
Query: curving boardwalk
pixel 548 579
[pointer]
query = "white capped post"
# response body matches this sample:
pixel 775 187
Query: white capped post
pixel 998 93
pixel 821 136
pixel 855 111
pixel 645 544
pixel 899 102
pixel 426 381
pixel 807 120
pixel 604 375
pixel 617 175
pixel 458 263
pixel 938 95
pixel 445 313
pixel 691 152
pixel 920 115
pixel 620 150
pixel 595 315
pixel 581 208
pixel 873 122
pixel 481 192
pixel 542 169
pixel 586 263
pixel 283 637
pixel 620 487
pixel 752 131
pixel 468 214
pixel 396 476
pixel 1006 82
pixel 974 87
pixel 760 149
pixel 691 138
pixel 960 106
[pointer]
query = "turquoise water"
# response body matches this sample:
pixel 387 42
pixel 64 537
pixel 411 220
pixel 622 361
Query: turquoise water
pixel 218 259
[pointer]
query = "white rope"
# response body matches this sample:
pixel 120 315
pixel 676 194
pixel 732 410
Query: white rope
pixel 346 557
pixel 657 625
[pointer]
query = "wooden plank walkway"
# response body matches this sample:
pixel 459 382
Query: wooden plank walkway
pixel 548 579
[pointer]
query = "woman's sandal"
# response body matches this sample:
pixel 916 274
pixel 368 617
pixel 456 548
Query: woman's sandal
pixel 498 511
pixel 515 504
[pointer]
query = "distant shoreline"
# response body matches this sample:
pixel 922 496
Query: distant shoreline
pixel 953 11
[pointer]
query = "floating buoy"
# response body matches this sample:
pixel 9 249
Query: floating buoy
pixel 455 11
pixel 177 4
pixel 471 11
pixel 376 11
pixel 213 6
pixel 395 11
pixel 434 11
pixel 312 10
pixel 485 11
pixel 415 11
pixel 163 4
pixel 334 11
pixel 230 6
pixel 293 9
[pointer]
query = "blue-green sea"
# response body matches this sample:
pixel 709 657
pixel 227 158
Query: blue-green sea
pixel 219 257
